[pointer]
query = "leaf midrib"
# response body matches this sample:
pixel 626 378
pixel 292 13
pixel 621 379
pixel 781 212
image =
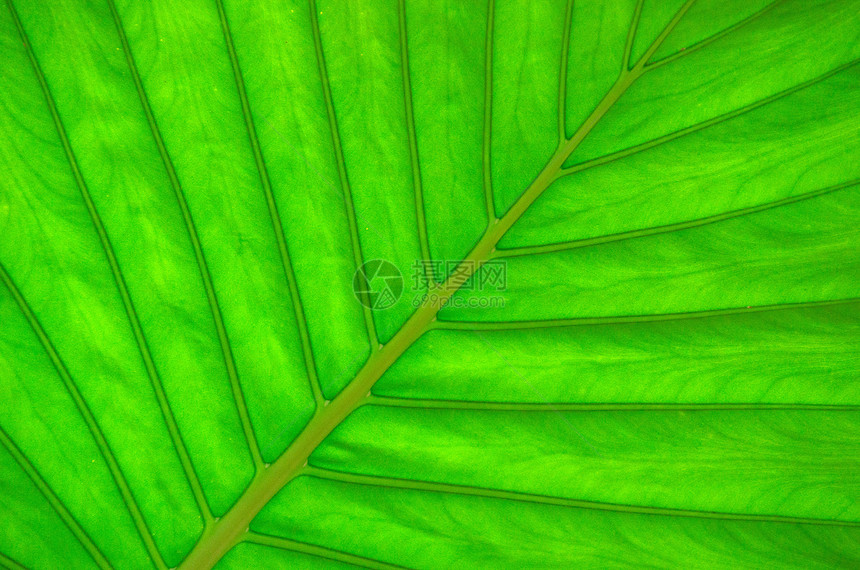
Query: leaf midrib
pixel 228 530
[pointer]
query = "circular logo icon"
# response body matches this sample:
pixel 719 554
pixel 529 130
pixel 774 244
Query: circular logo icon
pixel 377 284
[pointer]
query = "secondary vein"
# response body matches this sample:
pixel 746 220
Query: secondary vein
pixel 200 258
pixel 623 319
pixel 562 81
pixel 9 563
pixel 686 224
pixel 318 551
pixel 631 35
pixel 230 528
pixel 85 413
pixel 107 249
pixel 486 144
pixel 277 226
pixel 358 258
pixel 420 214
pixel 474 491
pixel 709 40
pixel 705 124
pixel 56 504
pixel 433 404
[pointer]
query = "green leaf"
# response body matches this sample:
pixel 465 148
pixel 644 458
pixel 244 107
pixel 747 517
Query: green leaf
pixel 642 348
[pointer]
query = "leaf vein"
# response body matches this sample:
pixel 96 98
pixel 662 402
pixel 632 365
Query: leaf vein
pixel 562 82
pixel 657 230
pixel 188 220
pixel 486 144
pixel 435 404
pixel 277 227
pixel 358 257
pixel 631 35
pixel 85 413
pixel 709 40
pixel 235 523
pixel 475 491
pixel 623 319
pixel 56 504
pixel 318 551
pixel 10 564
pixel 704 124
pixel 420 214
pixel 104 240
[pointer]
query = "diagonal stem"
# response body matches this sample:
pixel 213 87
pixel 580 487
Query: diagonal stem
pixel 231 528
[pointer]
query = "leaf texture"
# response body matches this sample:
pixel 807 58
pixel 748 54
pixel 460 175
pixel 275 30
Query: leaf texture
pixel 667 377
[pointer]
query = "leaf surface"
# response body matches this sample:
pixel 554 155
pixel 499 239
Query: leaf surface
pixel 666 377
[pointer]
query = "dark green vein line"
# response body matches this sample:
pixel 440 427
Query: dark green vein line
pixel 318 551
pixel 670 27
pixel 553 169
pixel 134 322
pixel 431 404
pixel 573 429
pixel 705 124
pixel 562 81
pixel 200 258
pixel 86 414
pixel 79 533
pixel 277 225
pixel 10 564
pixel 341 168
pixel 486 145
pixel 645 232
pixel 709 40
pixel 631 35
pixel 624 319
pixel 420 215
pixel 449 489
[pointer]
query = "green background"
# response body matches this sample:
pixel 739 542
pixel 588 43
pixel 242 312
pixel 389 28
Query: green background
pixel 672 379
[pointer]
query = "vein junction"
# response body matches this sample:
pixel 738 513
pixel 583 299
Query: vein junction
pixel 221 536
